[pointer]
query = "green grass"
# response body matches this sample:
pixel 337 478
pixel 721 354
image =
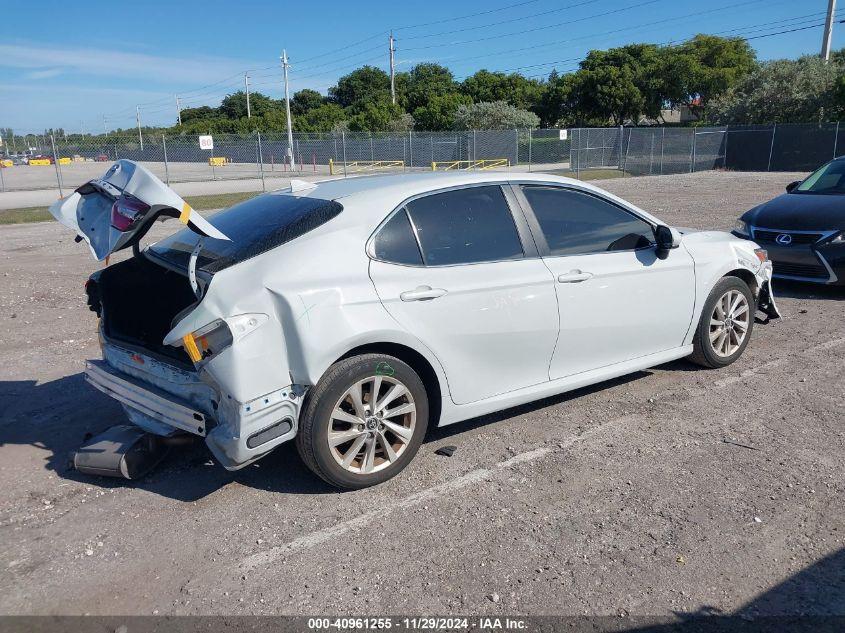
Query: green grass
pixel 200 203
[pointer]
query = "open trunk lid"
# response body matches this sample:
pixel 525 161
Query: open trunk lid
pixel 115 211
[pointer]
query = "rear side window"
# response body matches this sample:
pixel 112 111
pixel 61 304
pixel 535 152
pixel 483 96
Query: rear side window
pixel 395 242
pixel 576 223
pixel 254 227
pixel 465 226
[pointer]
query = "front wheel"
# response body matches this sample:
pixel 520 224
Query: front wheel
pixel 363 422
pixel 725 326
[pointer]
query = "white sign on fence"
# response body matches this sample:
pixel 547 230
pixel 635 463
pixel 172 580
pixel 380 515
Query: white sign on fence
pixel 206 142
pixel 564 134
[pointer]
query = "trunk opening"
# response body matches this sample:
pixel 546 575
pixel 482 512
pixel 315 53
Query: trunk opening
pixel 139 301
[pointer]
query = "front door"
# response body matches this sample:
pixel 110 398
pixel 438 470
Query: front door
pixel 618 298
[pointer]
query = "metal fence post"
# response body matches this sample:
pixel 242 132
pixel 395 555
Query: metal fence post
pixel 835 139
pixel 772 146
pixel 621 143
pixel 662 147
pixel 2 178
pixel 411 149
pixel 530 134
pixel 260 161
pixel 651 155
pixel 343 145
pixel 578 156
pixel 516 135
pixel 58 167
pixel 627 149
pixel 692 153
pixel 166 168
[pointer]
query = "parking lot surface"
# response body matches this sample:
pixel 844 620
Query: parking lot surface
pixel 673 490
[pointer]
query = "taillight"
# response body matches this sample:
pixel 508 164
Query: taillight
pixel 126 212
pixel 207 341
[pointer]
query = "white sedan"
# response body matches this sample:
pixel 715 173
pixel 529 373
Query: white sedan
pixel 352 315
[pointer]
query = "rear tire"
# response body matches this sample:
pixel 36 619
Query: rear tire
pixel 363 422
pixel 725 326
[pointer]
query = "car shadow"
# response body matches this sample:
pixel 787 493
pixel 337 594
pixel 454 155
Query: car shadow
pixel 60 415
pixel 807 290
pixel 813 599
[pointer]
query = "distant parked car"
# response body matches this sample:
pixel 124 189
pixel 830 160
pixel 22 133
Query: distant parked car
pixel 803 229
pixel 351 315
pixel 101 158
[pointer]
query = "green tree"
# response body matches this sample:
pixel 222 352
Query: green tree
pixel 424 82
pixel 305 100
pixel 515 89
pixel 784 91
pixel 718 63
pixel 323 118
pixel 362 85
pixel 375 116
pixel 439 112
pixel 493 115
pixel 606 94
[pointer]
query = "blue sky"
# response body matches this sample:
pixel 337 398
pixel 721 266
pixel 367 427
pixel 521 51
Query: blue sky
pixel 68 64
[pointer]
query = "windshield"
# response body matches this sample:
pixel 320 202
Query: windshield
pixel 828 178
pixel 254 227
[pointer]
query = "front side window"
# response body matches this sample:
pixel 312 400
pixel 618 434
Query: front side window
pixel 465 226
pixel 576 223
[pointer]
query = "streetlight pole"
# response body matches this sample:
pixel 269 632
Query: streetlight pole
pixel 138 120
pixel 392 43
pixel 178 110
pixel 828 30
pixel 287 110
pixel 246 87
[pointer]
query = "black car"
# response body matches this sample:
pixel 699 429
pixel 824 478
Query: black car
pixel 804 229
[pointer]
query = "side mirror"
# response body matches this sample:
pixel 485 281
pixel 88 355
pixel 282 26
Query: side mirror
pixel 667 238
pixel 792 185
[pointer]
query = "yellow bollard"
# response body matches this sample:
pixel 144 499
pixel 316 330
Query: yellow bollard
pixel 331 167
pixel 433 166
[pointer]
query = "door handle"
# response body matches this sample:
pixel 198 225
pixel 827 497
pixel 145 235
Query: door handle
pixel 574 277
pixel 422 293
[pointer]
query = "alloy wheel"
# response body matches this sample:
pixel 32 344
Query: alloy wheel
pixel 372 424
pixel 729 323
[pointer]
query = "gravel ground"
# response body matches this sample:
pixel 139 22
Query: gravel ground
pixel 673 490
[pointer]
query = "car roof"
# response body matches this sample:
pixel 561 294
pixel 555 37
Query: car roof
pixel 372 196
pixel 407 185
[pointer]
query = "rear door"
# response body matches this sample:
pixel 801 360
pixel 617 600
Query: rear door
pixel 619 298
pixel 459 271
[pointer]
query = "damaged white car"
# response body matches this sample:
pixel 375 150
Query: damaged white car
pixel 352 315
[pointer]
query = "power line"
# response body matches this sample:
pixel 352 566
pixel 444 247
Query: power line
pixel 538 28
pixel 509 21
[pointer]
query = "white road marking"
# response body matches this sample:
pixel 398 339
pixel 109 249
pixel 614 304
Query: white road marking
pixel 429 494
pixel 318 537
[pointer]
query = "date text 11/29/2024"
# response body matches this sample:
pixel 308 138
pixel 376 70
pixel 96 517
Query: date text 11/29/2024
pixel 418 624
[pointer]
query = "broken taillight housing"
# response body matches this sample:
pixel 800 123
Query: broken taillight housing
pixel 207 341
pixel 126 212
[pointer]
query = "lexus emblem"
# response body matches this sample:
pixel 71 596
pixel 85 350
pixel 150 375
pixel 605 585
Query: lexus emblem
pixel 784 239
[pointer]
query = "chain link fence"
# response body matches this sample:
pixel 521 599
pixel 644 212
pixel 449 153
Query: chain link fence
pixel 268 158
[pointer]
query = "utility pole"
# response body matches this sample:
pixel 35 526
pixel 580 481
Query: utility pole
pixel 105 129
pixel 392 43
pixel 178 110
pixel 828 30
pixel 287 110
pixel 246 86
pixel 138 120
